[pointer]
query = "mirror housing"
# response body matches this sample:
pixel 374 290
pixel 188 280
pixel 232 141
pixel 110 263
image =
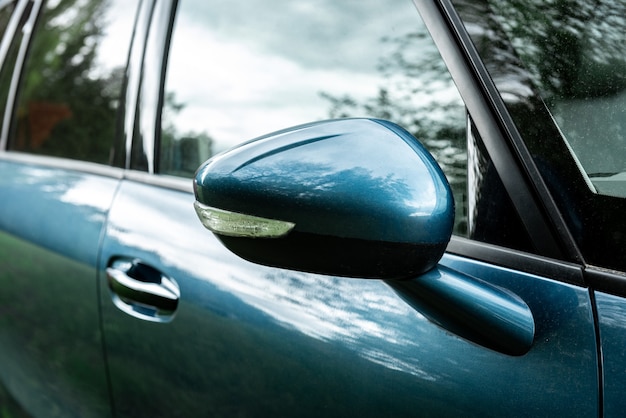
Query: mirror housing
pixel 349 197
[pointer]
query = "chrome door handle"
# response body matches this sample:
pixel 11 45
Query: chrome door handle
pixel 142 291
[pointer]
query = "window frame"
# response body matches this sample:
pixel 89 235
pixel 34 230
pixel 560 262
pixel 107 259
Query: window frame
pixel 589 224
pixel 30 28
pixel 530 195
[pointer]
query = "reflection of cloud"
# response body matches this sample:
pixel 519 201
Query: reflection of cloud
pixel 87 191
pixel 611 311
pixel 116 35
pixel 243 74
pixel 347 319
pixel 73 188
pixel 323 27
pixel 277 93
pixel 361 314
pixel 384 359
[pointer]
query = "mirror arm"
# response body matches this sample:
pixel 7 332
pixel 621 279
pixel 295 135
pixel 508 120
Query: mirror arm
pixel 471 308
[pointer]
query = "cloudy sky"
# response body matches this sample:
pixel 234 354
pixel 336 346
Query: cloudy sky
pixel 243 69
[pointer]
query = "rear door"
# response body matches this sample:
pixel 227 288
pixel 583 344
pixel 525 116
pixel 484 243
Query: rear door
pixel 60 85
pixel 191 329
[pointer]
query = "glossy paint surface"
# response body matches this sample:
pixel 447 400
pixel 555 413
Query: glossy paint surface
pixel 472 308
pixel 253 340
pixel 612 323
pixel 50 343
pixel 328 178
pixel 349 212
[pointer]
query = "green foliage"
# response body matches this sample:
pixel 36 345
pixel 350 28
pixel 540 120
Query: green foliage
pixel 180 153
pixel 8 407
pixel 62 82
pixel 50 331
pixel 419 95
pixel 569 48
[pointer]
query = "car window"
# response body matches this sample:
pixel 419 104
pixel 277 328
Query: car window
pixel 560 71
pixel 72 79
pixel 240 70
pixel 576 57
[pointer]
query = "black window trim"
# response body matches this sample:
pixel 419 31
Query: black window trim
pixel 142 123
pixel 549 268
pixel 525 187
pixel 606 281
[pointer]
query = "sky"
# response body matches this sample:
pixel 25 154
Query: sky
pixel 243 69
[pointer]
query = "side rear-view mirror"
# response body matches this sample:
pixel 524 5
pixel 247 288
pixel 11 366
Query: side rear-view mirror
pixel 360 198
pixel 350 197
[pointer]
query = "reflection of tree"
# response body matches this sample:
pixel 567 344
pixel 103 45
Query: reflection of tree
pixel 304 182
pixel 180 153
pixel 570 48
pixel 68 101
pixel 385 204
pixel 419 95
pixel 572 53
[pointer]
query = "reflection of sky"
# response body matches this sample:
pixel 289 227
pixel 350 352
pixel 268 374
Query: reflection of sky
pixel 65 209
pixel 257 71
pixel 611 311
pixel 119 19
pixel 74 189
pixel 320 175
pixel 363 315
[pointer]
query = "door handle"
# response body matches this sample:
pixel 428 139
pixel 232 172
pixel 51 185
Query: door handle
pixel 142 291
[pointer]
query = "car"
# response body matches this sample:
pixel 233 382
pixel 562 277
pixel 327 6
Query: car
pixel 312 208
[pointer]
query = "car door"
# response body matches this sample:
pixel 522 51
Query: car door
pixel 60 88
pixel 191 329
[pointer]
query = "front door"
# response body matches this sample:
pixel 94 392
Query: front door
pixel 231 338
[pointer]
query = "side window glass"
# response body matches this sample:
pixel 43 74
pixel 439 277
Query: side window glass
pixel 239 70
pixel 72 80
pixel 560 70
pixel 574 54
pixel 229 79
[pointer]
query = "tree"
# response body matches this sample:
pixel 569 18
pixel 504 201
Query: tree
pixel 419 95
pixel 180 153
pixel 68 102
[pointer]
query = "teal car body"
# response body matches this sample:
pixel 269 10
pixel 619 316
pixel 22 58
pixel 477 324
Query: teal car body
pixel 443 239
